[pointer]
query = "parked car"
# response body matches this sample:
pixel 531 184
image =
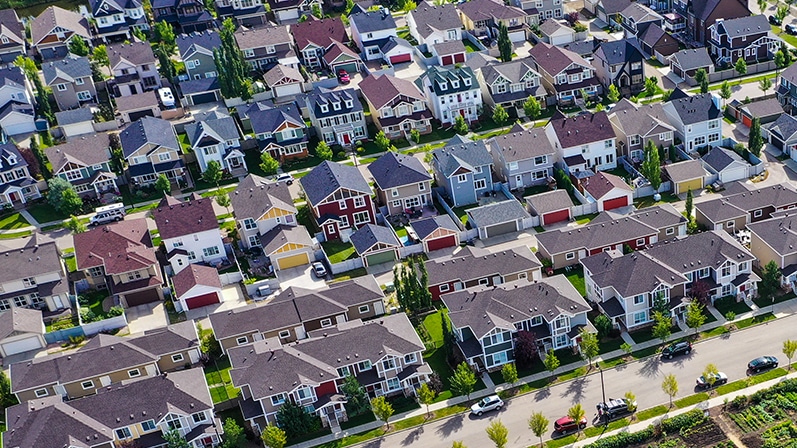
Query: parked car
pixel 774 20
pixel 567 424
pixel 676 349
pixel 719 379
pixel 285 177
pixel 343 77
pixel 487 404
pixel 319 270
pixel 762 363
pixel 791 29
pixel 614 408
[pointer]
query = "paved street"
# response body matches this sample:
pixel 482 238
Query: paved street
pixel 729 354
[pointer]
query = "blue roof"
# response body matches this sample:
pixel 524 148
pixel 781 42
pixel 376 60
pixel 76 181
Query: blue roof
pixel 187 43
pixel 395 169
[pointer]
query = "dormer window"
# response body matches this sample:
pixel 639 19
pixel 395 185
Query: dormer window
pixel 455 83
pixel 443 85
pixel 336 105
pixel 4 39
pixel 349 104
pixel 467 81
pixel 324 108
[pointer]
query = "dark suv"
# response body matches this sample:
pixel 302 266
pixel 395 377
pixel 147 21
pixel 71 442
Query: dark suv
pixel 676 349
pixel 614 408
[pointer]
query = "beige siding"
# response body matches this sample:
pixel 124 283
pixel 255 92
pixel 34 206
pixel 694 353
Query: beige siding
pixel 765 254
pixel 75 390
pixel 165 363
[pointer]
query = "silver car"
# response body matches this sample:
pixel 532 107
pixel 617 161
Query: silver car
pixel 319 270
pixel 493 402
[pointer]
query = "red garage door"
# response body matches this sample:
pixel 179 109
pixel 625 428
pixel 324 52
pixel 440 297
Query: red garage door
pixel 747 121
pixel 553 217
pixel 440 243
pixel 459 57
pixel 203 300
pixel 615 203
pixel 400 58
pixel 448 60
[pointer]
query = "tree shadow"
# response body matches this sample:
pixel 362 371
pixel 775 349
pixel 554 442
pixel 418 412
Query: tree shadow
pixel 650 367
pixel 376 443
pixel 542 394
pixel 576 389
pixel 413 436
pixel 451 425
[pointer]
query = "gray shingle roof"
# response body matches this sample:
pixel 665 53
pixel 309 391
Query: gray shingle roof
pixel 250 38
pixel 764 108
pixel 550 201
pixel 450 47
pixel 619 51
pixel 379 90
pixel 68 69
pixel 279 72
pixel 49 422
pixel 199 85
pixel 395 169
pixel 369 235
pixel 685 170
pixel 523 145
pixel 12 75
pixel 777 196
pixel 434 75
pixel 221 129
pixel 139 101
pixel 79 115
pixel 614 6
pixel 55 16
pixel 282 235
pixel 497 213
pixel 473 263
pixel 373 21
pixel 137 53
pixel 780 233
pixel 720 158
pixel 632 274
pixel 785 127
pixel 744 26
pixel 705 249
pixel 479 10
pixel 255 196
pixel 694 58
pixel 38 256
pixel 425 227
pixel 263 318
pixel 22 320
pixel 328 177
pixel 429 18
pixel 642 120
pixel 638 12
pixel 148 130
pixel 468 155
pixel 551 26
pixel 696 108
pixel 88 150
pixel 512 71
pixel 265 118
pixel 189 43
pixel 594 236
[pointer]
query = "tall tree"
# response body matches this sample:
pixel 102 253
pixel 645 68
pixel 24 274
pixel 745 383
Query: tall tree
pixel 538 425
pixel 323 151
pixel 662 327
pixel 526 351
pixel 163 185
pixel 780 61
pixel 268 164
pixel 231 66
pixel 41 158
pixel 689 206
pixel 99 56
pixel 740 67
pixel 463 380
pixel 7 399
pixel 789 347
pixel 460 125
pixel 356 397
pixel 577 414
pixel 61 196
pixel 163 34
pixel 651 85
pixel 383 410
pixel 381 140
pixel 500 115
pixel 532 107
pixel 296 421
pixel 781 12
pixel 551 362
pixel 78 46
pixel 694 315
pixel 756 141
pixel 407 5
pixel 42 97
pixel 701 77
pixel 426 396
pixel 213 173
pixel 498 433
pixel 165 63
pixel 274 437
pixel 588 344
pixel 233 434
pixel 651 166
pixel 174 439
pixel 770 280
pixel 614 94
pixel 670 386
pixel 504 44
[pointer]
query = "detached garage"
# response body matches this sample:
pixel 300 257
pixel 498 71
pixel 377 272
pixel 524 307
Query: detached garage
pixel 375 244
pixel 76 122
pixel 551 207
pixel 436 233
pixel 200 91
pixel 284 81
pixel 139 105
pixel 727 165
pixel 498 218
pixel 608 190
pixel 197 286
pixel 686 175
pixel 21 330
pixel 287 246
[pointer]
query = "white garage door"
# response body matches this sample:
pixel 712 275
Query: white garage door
pixel 730 175
pixel 23 345
pixel 78 129
pixel 292 89
pixel 19 127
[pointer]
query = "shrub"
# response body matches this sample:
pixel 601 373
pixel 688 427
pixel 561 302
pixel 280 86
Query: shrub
pixel 83 300
pixel 87 316
pixel 739 402
pixel 624 439
pixel 683 421
pixel 116 311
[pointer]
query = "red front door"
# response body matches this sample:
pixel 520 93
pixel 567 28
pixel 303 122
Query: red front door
pixel 346 139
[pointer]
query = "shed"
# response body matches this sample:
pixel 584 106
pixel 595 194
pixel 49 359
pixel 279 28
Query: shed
pixel 551 206
pixel 498 218
pixel 76 122
pixel 728 165
pixel 139 105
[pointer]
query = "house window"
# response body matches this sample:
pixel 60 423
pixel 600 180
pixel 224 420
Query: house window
pixel 342 205
pixel 540 160
pixel 4 305
pixel 640 242
pixel 726 270
pixel 364 309
pixel 87 384
pixel 285 334
pixel 634 140
pixel 242 340
pixel 361 217
pixel 344 371
pixel 713 124
pixel 123 433
pixel 513 166
pixel 278 399
pixel 639 299
pixel 134 373
pixel 164 157
pixel 79 81
pixel 480 184
pixel 670 231
pixel 359 202
pixel 410 358
pixel 41 393
pixel 397 203
pixel 703 273
pixel 131 276
pixel 173 422
pixel 344 222
pixel 570 256
pixel 388 364
pixel 666 136
pixel 444 287
pixel 210 251
pixel 326 323
pixel 742 266
pixel 640 317
pixel 757 213
pixel 304 392
pixel 536 320
pixel 148 425
pixel 199 417
pixel 422 186
pixel 178 357
pixel 250 224
pixel 84 95
pixel 28 282
pixel 462 178
pixel 20 301
pixel 730 224
pixel 393 384
pixel 364 366
pixel 484 281
pixel 61 87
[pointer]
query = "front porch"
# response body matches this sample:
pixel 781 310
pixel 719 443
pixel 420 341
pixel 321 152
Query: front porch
pixel 19 192
pixel 100 184
pixel 235 163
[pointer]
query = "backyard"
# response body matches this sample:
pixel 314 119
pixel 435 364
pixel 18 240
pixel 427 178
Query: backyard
pixel 576 276
pixel 338 251
pixel 648 201
pixel 217 375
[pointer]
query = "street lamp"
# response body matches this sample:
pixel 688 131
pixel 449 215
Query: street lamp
pixel 603 387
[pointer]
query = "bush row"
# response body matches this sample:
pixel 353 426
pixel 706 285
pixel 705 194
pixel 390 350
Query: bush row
pixel 667 426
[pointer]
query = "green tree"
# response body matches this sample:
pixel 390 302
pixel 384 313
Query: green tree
pixel 627 348
pixel 461 126
pixel 780 61
pixel 349 6
pixel 75 226
pixel 233 434
pixel 61 196
pixel 415 136
pixel 381 140
pixel 174 439
pixel 209 345
pixel 383 410
pixel 463 380
pixel 670 386
pixel 42 98
pixel 504 44
pixel 41 159
pixel 458 444
pixel 651 86
pixel 551 362
pixel 356 397
pixel 765 84
pixel 789 347
pixel 538 425
pixel 323 151
pixel 781 12
pixel 710 374
pixel 7 399
pixel 577 413
pixel 694 315
pixel 426 396
pixel 213 173
pixel 163 185
pixel 630 398
pixel 532 107
pixel 99 56
pixel 588 345
pixel 651 166
pixel 662 327
pixel 165 63
pixel 317 11
pixel 701 77
pixel 498 433
pixel 274 437
pixel 756 141
pixel 770 280
pixel 787 56
pixel 604 325
pixel 295 421
pixel 500 115
pixel 740 67
pixel 268 164
pixel 407 5
pixel 689 206
pixel 163 34
pixel 231 66
pixel 614 94
pixel 78 46
pixel 509 373
pixel 223 200
pixel 725 91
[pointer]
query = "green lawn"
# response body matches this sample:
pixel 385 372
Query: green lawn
pixel 537 189
pixel 649 202
pixel 584 219
pixel 761 318
pixel 576 277
pixel 184 143
pixel 437 361
pixel 646 334
pixel 651 413
pixel 470 47
pixel 764 302
pixel 218 373
pixel 691 400
pixel 10 236
pixel 95 298
pixel 338 251
pixel 725 304
pixel 433 324
pixel 354 273
pixel 13 221
pixel 461 212
pixel 71 264
pixel 44 212
pixel 129 198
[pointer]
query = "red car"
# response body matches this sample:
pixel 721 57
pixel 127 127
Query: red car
pixel 567 424
pixel 343 77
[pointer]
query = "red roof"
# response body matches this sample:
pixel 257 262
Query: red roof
pixel 176 218
pixel 121 247
pixel 319 32
pixel 193 275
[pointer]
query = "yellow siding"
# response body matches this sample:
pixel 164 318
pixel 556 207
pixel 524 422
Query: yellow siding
pixel 273 213
pixel 288 247
pixel 693 185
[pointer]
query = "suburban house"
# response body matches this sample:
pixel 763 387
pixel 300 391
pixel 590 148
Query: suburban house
pixel 138 412
pixel 186 16
pixel 14 86
pixel 376 245
pixel 71 81
pixel 523 158
pixel 315 36
pixel 510 84
pixel 22 331
pixel 120 257
pixel 401 183
pixel 196 286
pixel 189 231
pixel 374 32
pixel 432 24
pixel 51 31
pixel 607 190
pixel 735 211
pixel 280 130
pixel 12 36
pixel 339 57
pixel 463 168
pixel 584 142
pixel 697 119
pixel 727 164
pixel 74 122
pixel 637 17
pixel 247 13
pixel 295 312
pixel 786 89
pixel 397 105
pixel 106 360
pixel 749 38
pixel 17 115
pixel 33 278
pixel 472 267
pixel 290 10
pixel 774 240
pixel 284 82
pixel 608 11
pixel 260 206
pixel 214 136
pixel 657 43
pixel 622 64
pixel 340 199
pixel 133 67
pixel 451 92
pixel 664 217
pixel 782 133
pixel 384 355
pixel 83 161
pixel 17 186
pixel 265 47
pixel 625 287
pixel 551 309
pixel 337 116
pixel 113 19
pixel 701 15
pixel 196 51
pixel 551 206
pixel 686 175
pixel 685 63
pixel 150 148
pixel 537 11
pixel 436 232
pixel 483 17
pixel 636 124
pixel 564 73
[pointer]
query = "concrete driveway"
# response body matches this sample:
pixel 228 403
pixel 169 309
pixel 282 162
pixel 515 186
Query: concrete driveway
pixel 231 297
pixel 301 276
pixel 146 317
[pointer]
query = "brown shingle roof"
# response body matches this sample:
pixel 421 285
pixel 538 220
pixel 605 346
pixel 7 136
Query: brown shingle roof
pixel 22 320
pixel 120 245
pixel 255 196
pixel 554 59
pixel 582 129
pixel 380 90
pixel 248 38
pixel 602 183
pixel 176 218
pixel 55 16
pixel 88 150
pixel 194 275
pixel 319 32
pixel 473 263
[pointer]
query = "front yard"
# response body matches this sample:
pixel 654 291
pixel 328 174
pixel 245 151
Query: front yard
pixel 13 221
pixel 727 304
pixel 338 251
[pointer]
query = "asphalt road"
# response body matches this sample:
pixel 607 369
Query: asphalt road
pixel 643 378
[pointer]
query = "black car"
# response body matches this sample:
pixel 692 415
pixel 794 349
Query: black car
pixel 762 363
pixel 676 349
pixel 614 408
pixel 774 20
pixel 790 29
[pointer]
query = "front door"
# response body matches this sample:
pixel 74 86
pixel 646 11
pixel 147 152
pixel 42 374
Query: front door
pixel 346 139
pixel 13 196
pixel 519 180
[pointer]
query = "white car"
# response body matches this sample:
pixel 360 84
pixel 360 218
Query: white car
pixel 319 270
pixel 493 402
pixel 285 177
